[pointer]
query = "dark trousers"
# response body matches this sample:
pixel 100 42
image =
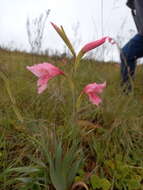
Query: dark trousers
pixel 129 54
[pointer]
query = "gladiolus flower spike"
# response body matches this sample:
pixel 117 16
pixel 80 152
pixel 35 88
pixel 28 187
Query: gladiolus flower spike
pixel 92 90
pixel 44 72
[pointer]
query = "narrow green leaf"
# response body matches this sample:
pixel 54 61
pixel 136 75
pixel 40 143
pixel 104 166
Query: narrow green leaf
pixel 73 171
pixel 27 170
pixel 58 157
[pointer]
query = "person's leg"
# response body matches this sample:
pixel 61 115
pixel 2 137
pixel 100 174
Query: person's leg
pixel 129 54
pixel 128 65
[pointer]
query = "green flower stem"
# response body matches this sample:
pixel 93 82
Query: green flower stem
pixel 78 102
pixel 77 60
pixel 73 91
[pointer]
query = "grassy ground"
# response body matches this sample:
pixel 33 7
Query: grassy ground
pixel 45 145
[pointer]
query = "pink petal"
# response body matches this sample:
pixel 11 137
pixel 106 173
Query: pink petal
pixel 92 90
pixel 52 70
pixel 95 44
pixel 42 88
pixel 100 87
pixel 44 69
pixel 39 69
pixel 94 99
pixel 42 83
pixel 45 72
pixel 94 87
pixel 43 80
pixel 35 70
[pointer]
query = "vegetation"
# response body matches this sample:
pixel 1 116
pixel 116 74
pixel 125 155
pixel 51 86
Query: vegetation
pixel 44 145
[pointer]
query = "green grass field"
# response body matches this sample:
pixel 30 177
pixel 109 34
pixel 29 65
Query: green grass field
pixel 45 144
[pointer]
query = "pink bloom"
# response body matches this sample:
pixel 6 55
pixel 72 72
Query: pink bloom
pixel 92 90
pixel 45 72
pixel 97 43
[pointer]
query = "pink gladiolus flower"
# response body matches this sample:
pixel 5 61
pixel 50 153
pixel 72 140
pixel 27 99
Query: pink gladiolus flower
pixel 92 45
pixel 92 90
pixel 45 72
pixel 97 43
